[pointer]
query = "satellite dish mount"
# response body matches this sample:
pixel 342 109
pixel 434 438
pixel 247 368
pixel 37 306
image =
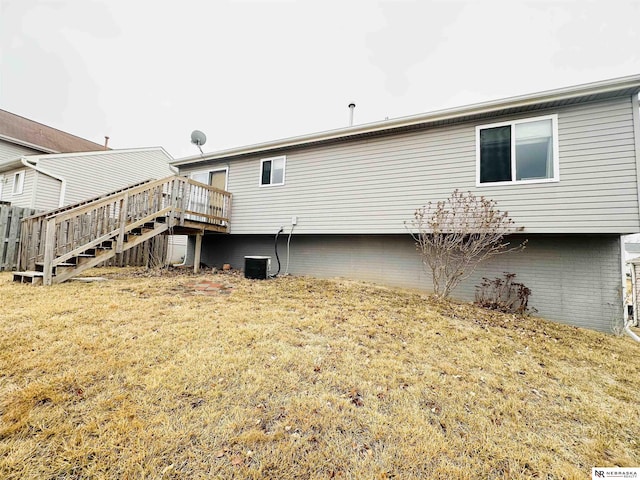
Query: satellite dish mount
pixel 198 138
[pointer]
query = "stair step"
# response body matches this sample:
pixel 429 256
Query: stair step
pixel 91 256
pixel 31 277
pixel 40 267
pixel 147 227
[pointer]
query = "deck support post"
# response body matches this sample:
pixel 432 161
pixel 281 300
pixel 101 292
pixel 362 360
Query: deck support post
pixel 124 206
pixel 173 201
pixel 198 251
pixel 49 251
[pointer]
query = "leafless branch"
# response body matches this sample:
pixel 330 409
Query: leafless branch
pixel 455 235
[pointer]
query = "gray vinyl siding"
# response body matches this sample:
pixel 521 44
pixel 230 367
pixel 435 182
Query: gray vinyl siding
pixel 575 279
pixel 24 199
pixel 94 174
pixel 47 196
pixel 372 185
pixel 11 151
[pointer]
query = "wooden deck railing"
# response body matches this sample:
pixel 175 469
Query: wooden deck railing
pixel 53 237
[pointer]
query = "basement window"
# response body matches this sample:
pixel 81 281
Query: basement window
pixel 18 183
pixel 272 171
pixel 521 151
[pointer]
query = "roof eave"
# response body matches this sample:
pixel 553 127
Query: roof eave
pixel 623 84
pixel 13 164
pixel 22 143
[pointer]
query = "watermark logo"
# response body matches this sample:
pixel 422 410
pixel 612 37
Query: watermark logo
pixel 615 472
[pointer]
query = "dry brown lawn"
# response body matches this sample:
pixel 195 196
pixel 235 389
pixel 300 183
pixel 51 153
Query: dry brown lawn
pixel 142 376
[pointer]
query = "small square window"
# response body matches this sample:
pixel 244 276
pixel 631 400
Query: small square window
pixel 18 183
pixel 517 152
pixel 272 171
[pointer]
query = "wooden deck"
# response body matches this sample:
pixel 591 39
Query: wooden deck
pixel 60 244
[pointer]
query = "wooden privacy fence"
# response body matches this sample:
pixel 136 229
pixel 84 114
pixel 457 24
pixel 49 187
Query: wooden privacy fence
pixel 10 221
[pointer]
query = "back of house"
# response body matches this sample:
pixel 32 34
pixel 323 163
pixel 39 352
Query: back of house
pixel 563 163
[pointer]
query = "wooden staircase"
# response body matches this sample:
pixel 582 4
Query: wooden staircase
pixel 58 245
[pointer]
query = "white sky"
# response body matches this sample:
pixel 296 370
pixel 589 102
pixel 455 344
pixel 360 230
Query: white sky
pixel 147 73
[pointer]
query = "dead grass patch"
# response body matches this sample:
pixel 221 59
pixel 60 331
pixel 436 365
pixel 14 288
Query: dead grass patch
pixel 138 377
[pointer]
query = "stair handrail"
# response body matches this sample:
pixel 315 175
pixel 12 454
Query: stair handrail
pixel 110 198
pixel 169 195
pixel 54 211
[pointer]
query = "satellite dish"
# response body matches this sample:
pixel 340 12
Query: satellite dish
pixel 198 138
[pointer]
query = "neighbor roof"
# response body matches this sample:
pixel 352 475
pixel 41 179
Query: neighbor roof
pixel 25 132
pixel 624 86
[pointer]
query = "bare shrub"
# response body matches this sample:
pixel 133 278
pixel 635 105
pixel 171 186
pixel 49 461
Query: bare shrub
pixel 504 295
pixel 455 235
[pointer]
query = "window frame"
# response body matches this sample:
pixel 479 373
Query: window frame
pixel 284 169
pixel 512 124
pixel 17 186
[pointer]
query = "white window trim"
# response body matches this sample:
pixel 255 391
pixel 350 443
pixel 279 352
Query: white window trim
pixel 284 171
pixel 18 179
pixel 209 171
pixel 513 123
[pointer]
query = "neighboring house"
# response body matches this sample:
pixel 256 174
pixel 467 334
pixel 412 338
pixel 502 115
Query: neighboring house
pixel 632 270
pixel 21 136
pixel 631 247
pixel 49 181
pixel 45 168
pixel 53 180
pixel 563 163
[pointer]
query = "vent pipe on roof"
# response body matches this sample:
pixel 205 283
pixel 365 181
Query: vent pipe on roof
pixel 351 107
pixel 106 142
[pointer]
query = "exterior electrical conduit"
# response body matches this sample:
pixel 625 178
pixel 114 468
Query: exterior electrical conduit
pixel 286 270
pixel 277 256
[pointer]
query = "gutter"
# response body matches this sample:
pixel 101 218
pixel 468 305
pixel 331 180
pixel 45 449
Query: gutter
pixel 63 182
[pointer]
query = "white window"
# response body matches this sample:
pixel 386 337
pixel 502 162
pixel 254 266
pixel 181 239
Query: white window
pixel 272 171
pixel 522 151
pixel 18 183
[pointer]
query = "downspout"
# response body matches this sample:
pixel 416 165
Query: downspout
pixel 628 331
pixel 63 182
